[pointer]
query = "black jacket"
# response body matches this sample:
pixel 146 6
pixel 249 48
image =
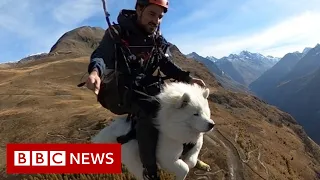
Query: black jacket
pixel 140 44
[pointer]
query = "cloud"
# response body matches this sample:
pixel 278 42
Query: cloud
pixel 297 32
pixel 16 17
pixel 193 14
pixel 33 26
pixel 74 12
pixel 272 28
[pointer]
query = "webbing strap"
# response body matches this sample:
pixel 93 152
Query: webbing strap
pixel 108 20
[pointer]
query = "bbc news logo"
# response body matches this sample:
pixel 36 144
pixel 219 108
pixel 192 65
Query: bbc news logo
pixel 58 158
pixel 39 158
pixel 63 158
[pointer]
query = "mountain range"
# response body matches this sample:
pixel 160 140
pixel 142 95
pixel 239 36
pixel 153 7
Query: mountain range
pixel 248 65
pixel 293 85
pixel 40 102
pixel 242 68
pixel 225 79
pixel 290 83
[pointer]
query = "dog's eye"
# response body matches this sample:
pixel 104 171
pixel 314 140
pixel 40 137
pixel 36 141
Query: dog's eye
pixel 196 114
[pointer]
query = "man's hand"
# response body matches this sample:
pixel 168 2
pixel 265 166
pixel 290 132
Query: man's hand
pixel 197 81
pixel 93 81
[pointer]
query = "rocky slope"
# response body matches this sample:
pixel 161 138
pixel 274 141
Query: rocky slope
pixel 39 102
pixel 80 40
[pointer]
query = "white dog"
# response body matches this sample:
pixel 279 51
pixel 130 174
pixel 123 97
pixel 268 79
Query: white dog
pixel 184 116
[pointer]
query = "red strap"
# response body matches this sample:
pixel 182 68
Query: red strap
pixel 126 43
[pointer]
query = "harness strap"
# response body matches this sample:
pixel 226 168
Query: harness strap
pixel 107 19
pixel 187 147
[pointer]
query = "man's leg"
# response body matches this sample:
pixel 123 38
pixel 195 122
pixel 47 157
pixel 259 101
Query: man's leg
pixel 147 135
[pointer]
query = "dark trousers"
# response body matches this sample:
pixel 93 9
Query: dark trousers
pixel 145 107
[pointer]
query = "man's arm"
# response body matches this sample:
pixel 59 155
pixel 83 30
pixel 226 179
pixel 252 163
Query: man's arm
pixel 173 71
pixel 102 57
pixel 169 68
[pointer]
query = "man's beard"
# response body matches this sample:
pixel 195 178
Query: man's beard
pixel 151 27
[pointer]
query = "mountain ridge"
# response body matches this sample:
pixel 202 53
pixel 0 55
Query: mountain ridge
pixel 249 65
pixel 80 40
pixel 220 75
pixel 243 68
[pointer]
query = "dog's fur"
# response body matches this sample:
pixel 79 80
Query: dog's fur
pixel 184 116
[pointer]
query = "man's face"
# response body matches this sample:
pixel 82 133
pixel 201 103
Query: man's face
pixel 150 17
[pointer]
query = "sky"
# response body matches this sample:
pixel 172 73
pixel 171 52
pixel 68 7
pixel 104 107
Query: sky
pixel 210 28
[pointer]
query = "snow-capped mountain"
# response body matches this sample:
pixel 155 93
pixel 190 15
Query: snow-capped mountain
pixel 273 59
pixel 212 58
pixel 249 56
pixel 224 78
pixel 207 62
pixel 306 50
pixel 249 66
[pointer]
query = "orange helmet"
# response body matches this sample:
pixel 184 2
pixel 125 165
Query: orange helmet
pixel 162 3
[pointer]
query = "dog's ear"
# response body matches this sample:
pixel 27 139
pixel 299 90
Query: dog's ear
pixel 183 101
pixel 206 93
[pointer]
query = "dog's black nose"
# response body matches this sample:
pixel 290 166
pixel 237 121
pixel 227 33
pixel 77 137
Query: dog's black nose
pixel 210 125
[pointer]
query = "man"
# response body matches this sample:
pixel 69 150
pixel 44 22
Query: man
pixel 140 29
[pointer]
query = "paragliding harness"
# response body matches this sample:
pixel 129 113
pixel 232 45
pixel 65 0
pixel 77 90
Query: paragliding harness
pixel 117 85
pixel 113 90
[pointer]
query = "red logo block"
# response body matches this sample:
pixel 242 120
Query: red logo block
pixel 63 158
